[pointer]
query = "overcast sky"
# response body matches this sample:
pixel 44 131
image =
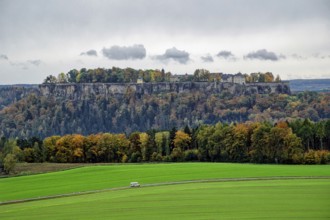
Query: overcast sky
pixel 287 37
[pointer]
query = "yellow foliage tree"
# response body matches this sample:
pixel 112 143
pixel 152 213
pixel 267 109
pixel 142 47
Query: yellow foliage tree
pixel 182 140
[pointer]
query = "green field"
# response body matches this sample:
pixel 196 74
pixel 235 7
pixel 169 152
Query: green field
pixel 303 198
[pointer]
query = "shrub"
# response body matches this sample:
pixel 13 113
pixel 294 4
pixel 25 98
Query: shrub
pixel 156 157
pixel 167 158
pixel 124 158
pixel 136 157
pixel 191 155
pixel 9 163
pixel 159 157
pixel 177 154
pixel 316 157
pixel 321 157
pixel 298 158
pixel 309 157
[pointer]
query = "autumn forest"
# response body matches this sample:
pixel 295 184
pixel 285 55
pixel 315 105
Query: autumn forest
pixel 189 125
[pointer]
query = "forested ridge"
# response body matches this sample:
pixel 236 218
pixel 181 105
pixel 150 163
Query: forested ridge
pixel 43 116
pixel 187 121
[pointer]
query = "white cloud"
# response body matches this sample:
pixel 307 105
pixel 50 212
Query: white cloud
pixel 89 53
pixel 263 54
pixel 180 56
pixel 137 51
pixel 3 57
pixel 207 59
pixel 34 62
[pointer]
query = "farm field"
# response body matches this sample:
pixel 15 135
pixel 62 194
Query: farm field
pixel 238 198
pixel 278 199
pixel 109 176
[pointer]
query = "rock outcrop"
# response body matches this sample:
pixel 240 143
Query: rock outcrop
pixel 85 91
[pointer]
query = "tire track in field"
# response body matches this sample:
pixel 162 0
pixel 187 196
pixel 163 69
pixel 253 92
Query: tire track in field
pixel 164 184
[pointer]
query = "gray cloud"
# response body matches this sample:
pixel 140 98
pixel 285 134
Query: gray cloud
pixel 3 57
pixel 95 16
pixel 320 56
pixel 207 59
pixel 298 57
pixel 137 51
pixel 89 53
pixel 34 62
pixel 180 56
pixel 226 54
pixel 263 54
pixel 281 56
pixel 23 66
pixel 53 26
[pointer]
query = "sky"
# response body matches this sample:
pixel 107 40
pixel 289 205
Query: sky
pixel 38 38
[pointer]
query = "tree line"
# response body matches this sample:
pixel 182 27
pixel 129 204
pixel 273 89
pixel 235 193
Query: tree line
pixel 130 75
pixel 113 75
pixel 295 142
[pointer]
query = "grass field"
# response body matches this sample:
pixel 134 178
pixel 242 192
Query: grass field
pixel 307 198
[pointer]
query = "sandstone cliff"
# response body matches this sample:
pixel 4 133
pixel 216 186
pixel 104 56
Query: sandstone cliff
pixel 85 91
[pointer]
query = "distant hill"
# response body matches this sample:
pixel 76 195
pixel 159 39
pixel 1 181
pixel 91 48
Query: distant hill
pixel 59 109
pixel 20 86
pixel 12 93
pixel 298 85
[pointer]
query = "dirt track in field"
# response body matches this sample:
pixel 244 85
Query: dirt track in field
pixel 164 184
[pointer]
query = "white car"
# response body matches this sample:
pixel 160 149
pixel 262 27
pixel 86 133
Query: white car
pixel 135 184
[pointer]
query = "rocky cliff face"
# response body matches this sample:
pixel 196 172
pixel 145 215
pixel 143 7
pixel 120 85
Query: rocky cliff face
pixel 58 109
pixel 91 90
